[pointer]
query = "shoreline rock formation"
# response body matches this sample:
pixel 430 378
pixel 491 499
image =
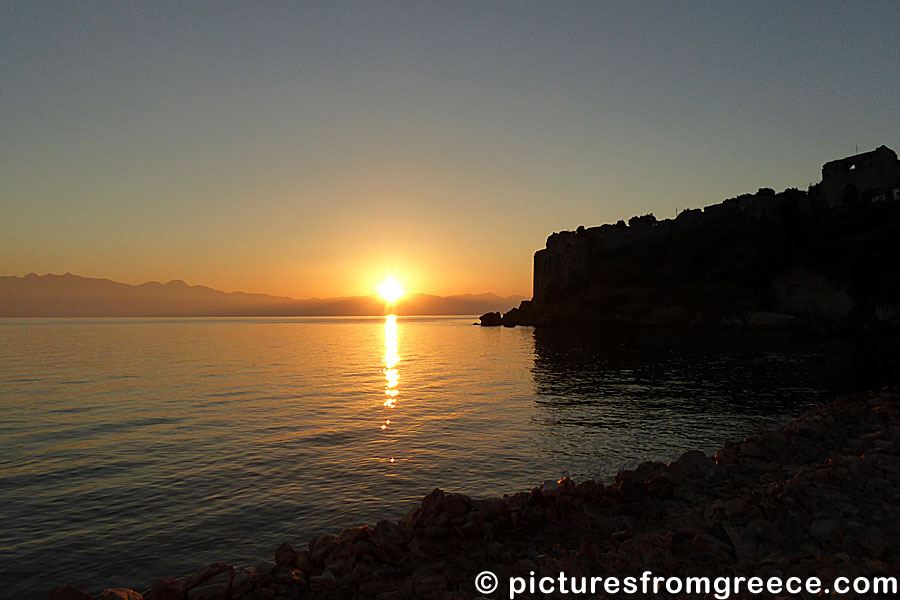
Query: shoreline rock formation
pixel 818 497
pixel 522 315
pixel 822 260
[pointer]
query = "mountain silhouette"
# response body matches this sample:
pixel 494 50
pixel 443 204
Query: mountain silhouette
pixel 71 295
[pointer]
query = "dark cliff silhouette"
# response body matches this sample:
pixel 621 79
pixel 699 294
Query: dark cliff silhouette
pixel 824 259
pixel 73 296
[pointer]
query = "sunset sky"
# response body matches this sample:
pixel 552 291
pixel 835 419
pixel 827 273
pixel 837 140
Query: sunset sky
pixel 310 149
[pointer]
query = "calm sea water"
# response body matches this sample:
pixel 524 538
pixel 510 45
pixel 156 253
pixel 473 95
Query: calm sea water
pixel 143 448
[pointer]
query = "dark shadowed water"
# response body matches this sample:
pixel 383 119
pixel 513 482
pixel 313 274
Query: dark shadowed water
pixel 143 448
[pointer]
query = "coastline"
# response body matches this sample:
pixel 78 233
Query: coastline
pixel 817 497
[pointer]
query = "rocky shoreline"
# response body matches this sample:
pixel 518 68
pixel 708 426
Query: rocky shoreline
pixel 819 497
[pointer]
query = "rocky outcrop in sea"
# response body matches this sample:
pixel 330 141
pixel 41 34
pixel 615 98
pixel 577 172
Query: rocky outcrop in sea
pixel 521 315
pixel 818 497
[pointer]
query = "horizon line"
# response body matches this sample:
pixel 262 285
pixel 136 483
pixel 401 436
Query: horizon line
pixel 33 274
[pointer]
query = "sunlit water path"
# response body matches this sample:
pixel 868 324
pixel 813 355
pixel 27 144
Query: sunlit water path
pixel 142 448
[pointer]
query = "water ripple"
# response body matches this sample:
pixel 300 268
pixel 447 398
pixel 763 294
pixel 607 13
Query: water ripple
pixel 132 449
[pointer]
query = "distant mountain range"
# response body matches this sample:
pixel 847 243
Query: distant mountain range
pixel 74 296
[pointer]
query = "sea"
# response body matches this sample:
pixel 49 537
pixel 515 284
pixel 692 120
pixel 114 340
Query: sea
pixel 134 449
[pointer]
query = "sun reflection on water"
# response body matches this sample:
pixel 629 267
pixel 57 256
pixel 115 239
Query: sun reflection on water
pixel 391 374
pixel 391 358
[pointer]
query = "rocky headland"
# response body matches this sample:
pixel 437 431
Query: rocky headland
pixel 820 260
pixel 819 497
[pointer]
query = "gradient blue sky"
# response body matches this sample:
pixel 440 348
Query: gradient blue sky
pixel 308 149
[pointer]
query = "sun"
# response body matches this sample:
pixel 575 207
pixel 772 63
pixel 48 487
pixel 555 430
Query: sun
pixel 391 290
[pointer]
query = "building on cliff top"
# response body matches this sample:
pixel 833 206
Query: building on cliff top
pixel 565 265
pixel 871 176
